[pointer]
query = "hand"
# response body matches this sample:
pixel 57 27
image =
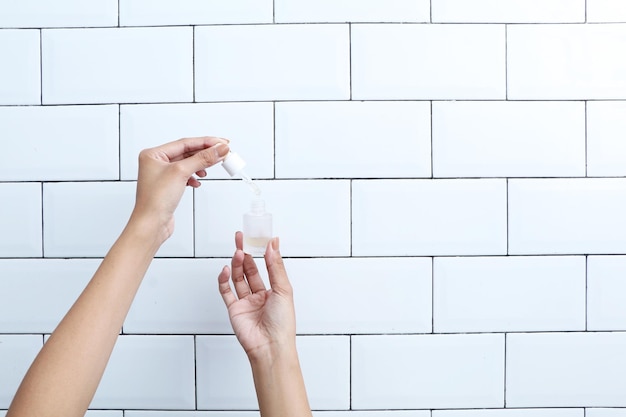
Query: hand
pixel 164 172
pixel 263 320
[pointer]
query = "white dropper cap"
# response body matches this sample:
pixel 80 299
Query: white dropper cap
pixel 233 164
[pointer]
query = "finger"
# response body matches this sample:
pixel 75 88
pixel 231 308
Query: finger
pixel 239 240
pixel 252 274
pixel 201 173
pixel 204 158
pixel 239 280
pixel 276 267
pixel 192 182
pixel 182 148
pixel 224 286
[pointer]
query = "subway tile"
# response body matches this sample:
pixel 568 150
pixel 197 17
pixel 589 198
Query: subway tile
pixel 272 62
pixel 508 139
pixel 605 412
pixel 567 216
pixel 347 139
pixel 386 413
pixel 508 11
pixel 60 143
pixel 104 413
pixel 606 126
pixel 428 217
pixel 180 296
pixel 60 13
pixel 191 414
pixel 149 372
pixel 20 220
pixel 16 355
pixel 145 126
pixel 194 12
pixel 315 11
pixel 565 62
pixel 537 412
pixel 224 378
pixel 506 294
pixel 427 371
pixel 405 61
pixel 35 294
pixel 565 370
pixel 117 65
pixel 358 302
pixel 606 11
pixel 20 79
pixel 84 219
pixel 312 218
pixel 605 286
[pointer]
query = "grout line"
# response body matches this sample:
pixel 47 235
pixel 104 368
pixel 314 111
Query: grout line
pixel 431 11
pixel 118 13
pixel 273 11
pixel 586 11
pixel 350 57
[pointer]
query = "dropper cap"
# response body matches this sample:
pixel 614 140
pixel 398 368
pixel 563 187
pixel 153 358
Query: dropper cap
pixel 233 164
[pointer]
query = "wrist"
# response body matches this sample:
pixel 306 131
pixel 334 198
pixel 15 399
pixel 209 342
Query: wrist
pixel 150 229
pixel 273 354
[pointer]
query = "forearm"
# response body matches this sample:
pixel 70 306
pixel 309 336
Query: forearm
pixel 279 384
pixel 65 375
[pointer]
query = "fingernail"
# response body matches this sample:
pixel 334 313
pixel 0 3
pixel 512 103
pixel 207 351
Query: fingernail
pixel 276 243
pixel 221 150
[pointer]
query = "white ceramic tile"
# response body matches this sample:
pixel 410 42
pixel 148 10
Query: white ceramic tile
pixel 606 11
pixel 145 126
pixel 428 217
pixel 406 62
pixel 605 412
pixel 427 371
pixel 313 11
pixel 352 139
pixel 84 219
pixel 605 287
pixel 224 378
pixel 606 127
pixel 411 413
pixel 508 139
pixel 505 294
pixel 192 414
pixel 272 62
pixel 193 12
pixel 567 216
pixel 104 413
pixel 312 218
pixel 55 143
pixel 149 372
pixel 365 296
pixel 565 370
pixel 117 65
pixel 35 294
pixel 20 81
pixel 20 220
pixel 16 355
pixel 180 296
pixel 565 62
pixel 508 11
pixel 60 13
pixel 537 412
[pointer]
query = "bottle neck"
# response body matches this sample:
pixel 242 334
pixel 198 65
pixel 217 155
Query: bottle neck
pixel 257 206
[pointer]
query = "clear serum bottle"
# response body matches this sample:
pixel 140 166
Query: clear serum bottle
pixel 257 223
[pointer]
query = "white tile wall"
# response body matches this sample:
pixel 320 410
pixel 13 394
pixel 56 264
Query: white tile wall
pixel 567 216
pixel 267 62
pixel 225 381
pixel 508 11
pixel 404 147
pixel 20 220
pixel 145 126
pixel 565 370
pixel 508 139
pixel 351 11
pixel 20 77
pixel 428 217
pixel 347 139
pixel 442 371
pixel 605 284
pixel 130 65
pixel 60 13
pixel 606 126
pixel 506 294
pixel 606 11
pixel 185 12
pixel 16 355
pixel 405 62
pixel 565 62
pixel 44 136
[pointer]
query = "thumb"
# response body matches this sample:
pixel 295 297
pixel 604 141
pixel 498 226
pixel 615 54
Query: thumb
pixel 276 268
pixel 205 158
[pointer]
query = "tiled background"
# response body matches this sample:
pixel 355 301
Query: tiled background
pixel 448 178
